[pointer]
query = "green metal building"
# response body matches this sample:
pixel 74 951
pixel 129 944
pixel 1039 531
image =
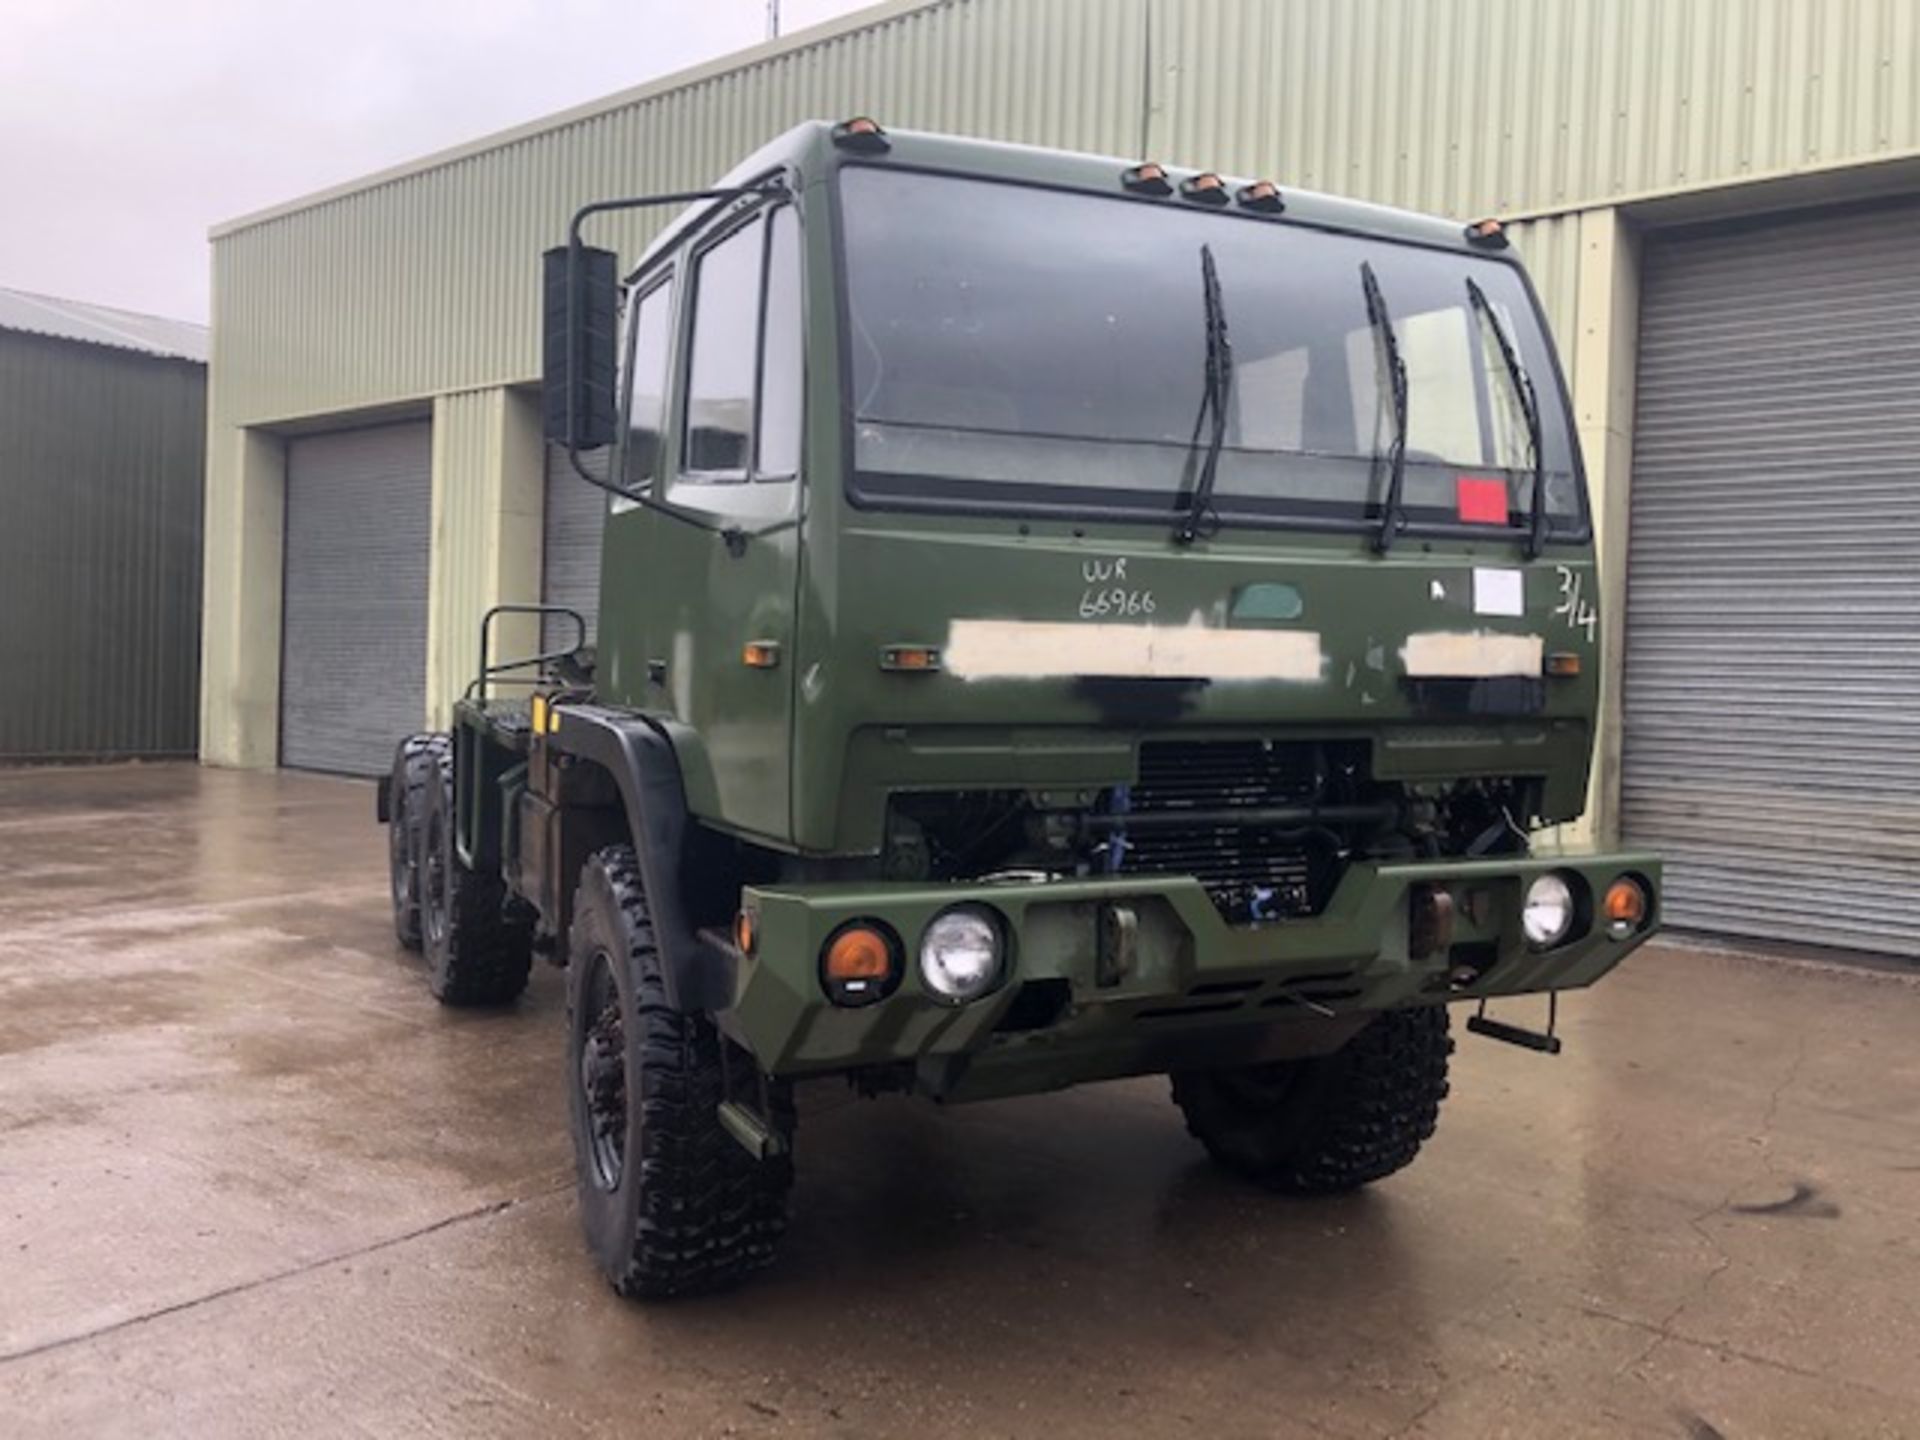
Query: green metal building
pixel 102 452
pixel 1719 202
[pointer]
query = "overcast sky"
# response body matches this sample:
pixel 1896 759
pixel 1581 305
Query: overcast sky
pixel 128 127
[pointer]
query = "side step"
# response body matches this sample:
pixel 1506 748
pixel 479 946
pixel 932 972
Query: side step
pixel 756 1137
pixel 1547 1043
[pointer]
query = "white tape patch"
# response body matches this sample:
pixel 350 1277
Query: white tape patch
pixel 1043 650
pixel 1436 655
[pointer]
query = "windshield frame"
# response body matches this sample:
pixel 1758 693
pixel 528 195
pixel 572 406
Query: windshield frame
pixel 1140 507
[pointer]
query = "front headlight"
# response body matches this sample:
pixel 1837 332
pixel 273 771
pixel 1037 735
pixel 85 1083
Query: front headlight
pixel 960 954
pixel 1548 913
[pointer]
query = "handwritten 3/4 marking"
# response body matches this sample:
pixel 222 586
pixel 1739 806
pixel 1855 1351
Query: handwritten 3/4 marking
pixel 1578 612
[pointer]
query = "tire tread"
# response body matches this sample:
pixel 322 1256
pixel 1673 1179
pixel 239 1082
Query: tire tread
pixel 1376 1103
pixel 709 1214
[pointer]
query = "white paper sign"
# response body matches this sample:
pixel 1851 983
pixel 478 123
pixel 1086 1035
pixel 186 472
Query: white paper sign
pixel 1498 592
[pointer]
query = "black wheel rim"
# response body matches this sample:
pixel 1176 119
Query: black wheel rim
pixel 433 896
pixel 603 1075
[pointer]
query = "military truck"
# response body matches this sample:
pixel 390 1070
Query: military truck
pixel 1061 618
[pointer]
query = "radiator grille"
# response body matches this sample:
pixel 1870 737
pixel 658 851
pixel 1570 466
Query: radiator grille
pixel 1251 869
pixel 1188 775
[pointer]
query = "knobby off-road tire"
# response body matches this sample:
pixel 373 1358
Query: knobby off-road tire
pixel 476 953
pixel 1331 1123
pixel 671 1204
pixel 413 771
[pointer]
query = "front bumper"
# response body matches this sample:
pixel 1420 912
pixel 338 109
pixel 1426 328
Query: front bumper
pixel 1184 987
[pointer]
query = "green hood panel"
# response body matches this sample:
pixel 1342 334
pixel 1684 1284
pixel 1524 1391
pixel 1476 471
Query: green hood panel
pixel 1061 646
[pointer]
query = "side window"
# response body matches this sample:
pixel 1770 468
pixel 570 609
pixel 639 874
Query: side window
pixel 782 360
pixel 651 341
pixel 726 305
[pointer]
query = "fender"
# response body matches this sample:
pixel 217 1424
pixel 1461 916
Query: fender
pixel 641 760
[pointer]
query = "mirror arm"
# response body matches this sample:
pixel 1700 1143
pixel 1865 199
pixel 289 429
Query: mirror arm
pixel 774 189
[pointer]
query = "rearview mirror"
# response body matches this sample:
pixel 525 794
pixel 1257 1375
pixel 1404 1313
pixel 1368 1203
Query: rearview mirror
pixel 581 314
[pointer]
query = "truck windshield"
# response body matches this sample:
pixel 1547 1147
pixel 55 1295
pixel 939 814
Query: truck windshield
pixel 1039 350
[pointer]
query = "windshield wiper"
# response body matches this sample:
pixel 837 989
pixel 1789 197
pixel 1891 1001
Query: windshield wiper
pixel 1397 382
pixel 1530 409
pixel 1213 402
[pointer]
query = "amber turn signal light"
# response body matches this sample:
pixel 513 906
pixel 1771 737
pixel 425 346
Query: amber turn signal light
pixel 921 659
pixel 1624 906
pixel 860 964
pixel 760 654
pixel 746 932
pixel 1563 663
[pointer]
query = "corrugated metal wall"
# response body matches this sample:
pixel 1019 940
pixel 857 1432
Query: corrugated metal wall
pixel 1551 250
pixel 101 460
pixel 424 284
pixel 1464 106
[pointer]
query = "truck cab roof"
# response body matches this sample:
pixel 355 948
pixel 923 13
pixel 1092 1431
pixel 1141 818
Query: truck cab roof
pixel 808 151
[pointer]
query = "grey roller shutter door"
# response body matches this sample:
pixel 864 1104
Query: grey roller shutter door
pixel 354 642
pixel 1772 697
pixel 575 515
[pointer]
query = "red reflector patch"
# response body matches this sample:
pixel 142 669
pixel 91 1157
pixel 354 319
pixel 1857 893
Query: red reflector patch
pixel 1480 500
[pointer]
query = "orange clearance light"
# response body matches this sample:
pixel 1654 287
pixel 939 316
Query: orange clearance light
pixel 1147 178
pixel 1625 906
pixel 746 932
pixel 862 134
pixel 860 964
pixel 760 654
pixel 1261 195
pixel 1208 188
pixel 1563 663
pixel 919 659
pixel 1489 234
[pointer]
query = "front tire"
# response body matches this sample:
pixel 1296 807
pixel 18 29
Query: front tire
pixel 476 953
pixel 1329 1123
pixel 670 1202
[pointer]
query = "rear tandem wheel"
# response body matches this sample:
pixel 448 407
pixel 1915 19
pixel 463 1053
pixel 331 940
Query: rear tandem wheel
pixel 477 953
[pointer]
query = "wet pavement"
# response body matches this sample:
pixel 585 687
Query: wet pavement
pixel 254 1182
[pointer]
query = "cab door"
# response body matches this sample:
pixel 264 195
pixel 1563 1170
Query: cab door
pixel 721 619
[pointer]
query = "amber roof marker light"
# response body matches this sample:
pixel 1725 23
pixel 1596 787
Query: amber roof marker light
pixel 1261 195
pixel 1147 178
pixel 1488 234
pixel 1205 188
pixel 863 135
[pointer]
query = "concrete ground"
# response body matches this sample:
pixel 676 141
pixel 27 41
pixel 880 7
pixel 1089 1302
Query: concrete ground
pixel 254 1182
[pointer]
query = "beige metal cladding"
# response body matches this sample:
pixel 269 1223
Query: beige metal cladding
pixel 423 282
pixel 489 474
pixel 1468 106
